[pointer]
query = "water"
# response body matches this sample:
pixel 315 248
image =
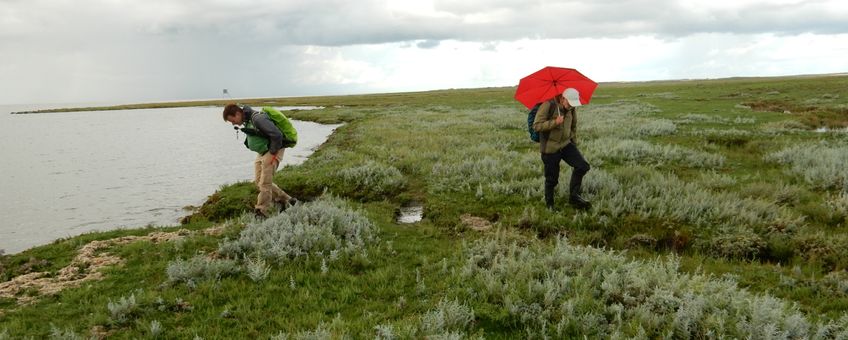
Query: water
pixel 63 174
pixel 410 213
pixel 825 129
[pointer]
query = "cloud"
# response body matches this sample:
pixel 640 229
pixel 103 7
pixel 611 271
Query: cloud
pixel 340 23
pixel 126 50
pixel 426 44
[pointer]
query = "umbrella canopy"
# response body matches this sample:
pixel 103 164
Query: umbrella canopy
pixel 550 81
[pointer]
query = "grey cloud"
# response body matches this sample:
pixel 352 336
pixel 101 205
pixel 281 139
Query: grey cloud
pixel 161 49
pixel 427 44
pixel 368 22
pixel 338 23
pixel 489 46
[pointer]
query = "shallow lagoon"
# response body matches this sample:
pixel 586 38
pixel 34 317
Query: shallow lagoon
pixel 64 174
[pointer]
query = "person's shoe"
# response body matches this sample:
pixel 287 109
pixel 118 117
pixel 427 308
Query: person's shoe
pixel 288 204
pixel 551 207
pixel 259 214
pixel 579 203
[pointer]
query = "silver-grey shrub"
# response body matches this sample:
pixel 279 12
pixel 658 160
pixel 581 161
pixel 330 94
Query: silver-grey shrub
pixel 744 120
pixel 319 333
pixel 731 132
pixel 834 329
pixel 822 165
pixel 648 193
pixel 60 334
pixel 735 243
pixel 449 317
pixel 200 268
pixel 658 127
pixel 702 118
pixel 156 329
pixel 374 177
pixel 121 310
pixel 322 226
pixel 562 291
pixel 623 120
pixel 257 269
pixel 469 170
pixel 385 332
pixel 630 151
pixel 715 180
pixel 783 127
pixel 838 205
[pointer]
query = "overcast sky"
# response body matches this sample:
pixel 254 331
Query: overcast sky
pixel 70 51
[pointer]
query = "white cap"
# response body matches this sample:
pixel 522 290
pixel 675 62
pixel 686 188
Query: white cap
pixel 572 96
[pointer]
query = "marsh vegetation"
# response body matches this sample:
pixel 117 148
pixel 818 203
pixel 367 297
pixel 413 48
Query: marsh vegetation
pixel 716 214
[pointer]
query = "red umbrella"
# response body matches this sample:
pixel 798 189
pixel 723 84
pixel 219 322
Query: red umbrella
pixel 550 81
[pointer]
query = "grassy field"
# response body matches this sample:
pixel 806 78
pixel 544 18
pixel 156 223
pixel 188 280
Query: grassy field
pixel 720 210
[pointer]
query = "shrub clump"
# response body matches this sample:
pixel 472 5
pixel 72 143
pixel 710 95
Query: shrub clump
pixel 736 244
pixel 508 172
pixel 449 318
pixel 838 205
pixel 567 291
pixel 373 178
pixel 326 225
pixel 200 268
pixel 649 194
pixel 120 311
pixel 658 127
pixel 257 270
pixel 714 180
pixel 630 151
pixel 822 248
pixel 783 127
pixel 822 165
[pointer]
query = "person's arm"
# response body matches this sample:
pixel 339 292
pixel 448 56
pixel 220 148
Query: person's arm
pixel 270 130
pixel 544 120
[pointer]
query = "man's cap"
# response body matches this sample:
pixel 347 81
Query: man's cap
pixel 572 96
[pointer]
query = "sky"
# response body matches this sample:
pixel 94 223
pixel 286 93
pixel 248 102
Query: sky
pixel 119 51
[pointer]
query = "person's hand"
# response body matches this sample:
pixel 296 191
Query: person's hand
pixel 273 158
pixel 559 120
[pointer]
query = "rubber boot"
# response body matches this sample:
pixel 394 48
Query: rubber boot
pixel 549 197
pixel 575 200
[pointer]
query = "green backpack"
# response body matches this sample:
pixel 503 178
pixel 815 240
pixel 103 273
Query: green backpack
pixel 284 124
pixel 259 143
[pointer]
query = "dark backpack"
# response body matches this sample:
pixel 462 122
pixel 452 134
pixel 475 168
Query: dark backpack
pixel 531 117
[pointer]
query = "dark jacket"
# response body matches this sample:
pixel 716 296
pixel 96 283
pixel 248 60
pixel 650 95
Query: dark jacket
pixel 554 137
pixel 266 128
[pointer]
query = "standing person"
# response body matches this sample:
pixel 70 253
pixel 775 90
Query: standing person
pixel 266 139
pixel 556 120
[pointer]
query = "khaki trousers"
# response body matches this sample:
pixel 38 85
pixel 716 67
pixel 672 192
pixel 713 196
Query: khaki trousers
pixel 264 168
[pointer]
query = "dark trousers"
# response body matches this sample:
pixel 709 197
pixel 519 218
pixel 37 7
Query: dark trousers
pixel 573 158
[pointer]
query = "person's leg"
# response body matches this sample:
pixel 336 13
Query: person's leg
pixel 257 170
pixel 278 194
pixel 551 163
pixel 265 183
pixel 572 156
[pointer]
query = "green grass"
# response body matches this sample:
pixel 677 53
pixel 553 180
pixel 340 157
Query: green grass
pixel 467 152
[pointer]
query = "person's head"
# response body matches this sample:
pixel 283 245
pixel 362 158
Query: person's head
pixel 234 114
pixel 569 98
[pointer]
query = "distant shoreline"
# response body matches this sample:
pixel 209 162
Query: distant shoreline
pixel 356 99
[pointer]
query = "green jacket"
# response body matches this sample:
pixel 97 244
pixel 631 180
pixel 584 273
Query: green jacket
pixel 554 137
pixel 263 135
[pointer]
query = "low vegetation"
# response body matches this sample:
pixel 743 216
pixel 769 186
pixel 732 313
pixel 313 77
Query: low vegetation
pixel 719 212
